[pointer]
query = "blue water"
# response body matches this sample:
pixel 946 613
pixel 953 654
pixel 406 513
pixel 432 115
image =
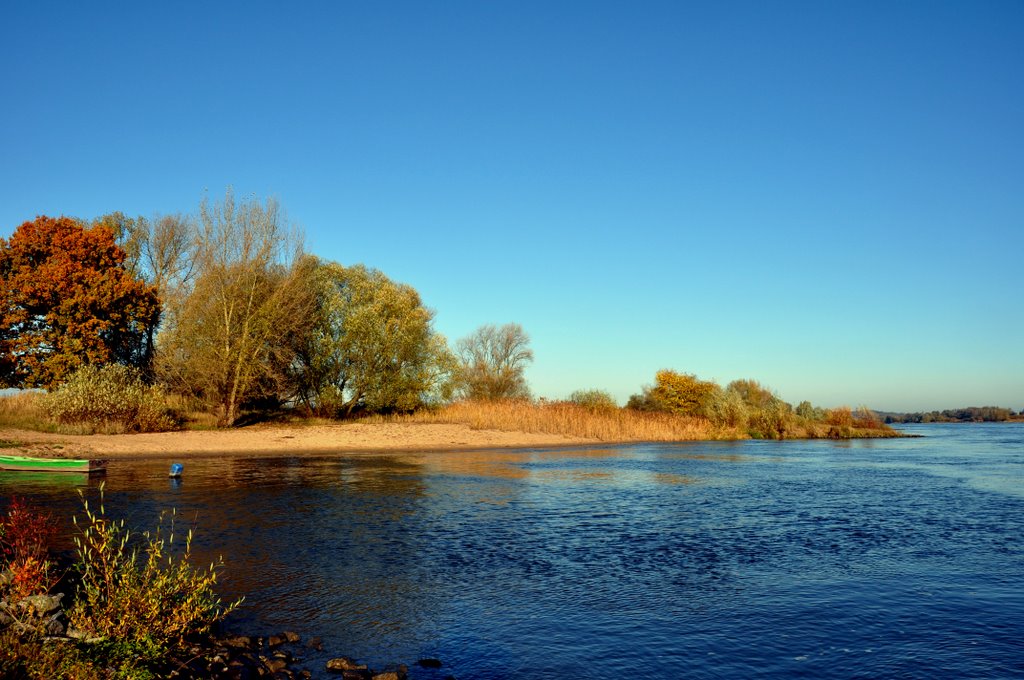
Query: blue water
pixel 874 559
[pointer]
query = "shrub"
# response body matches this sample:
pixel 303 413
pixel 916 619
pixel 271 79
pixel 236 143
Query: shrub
pixel 32 657
pixel 866 418
pixel 143 599
pixel 111 398
pixel 727 408
pixel 771 421
pixel 598 400
pixel 684 393
pixel 840 422
pixel 329 402
pixel 25 538
pixel 808 411
pixel 647 401
pixel 839 417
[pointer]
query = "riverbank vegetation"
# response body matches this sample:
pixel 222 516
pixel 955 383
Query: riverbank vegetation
pixel 125 605
pixel 565 418
pixel 593 414
pixel 135 325
pixel 747 406
pixel 969 414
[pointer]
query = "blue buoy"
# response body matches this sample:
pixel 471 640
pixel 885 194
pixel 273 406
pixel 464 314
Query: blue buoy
pixel 176 469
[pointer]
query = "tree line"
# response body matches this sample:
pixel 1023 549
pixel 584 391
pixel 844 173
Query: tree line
pixel 969 414
pixel 226 311
pixel 226 308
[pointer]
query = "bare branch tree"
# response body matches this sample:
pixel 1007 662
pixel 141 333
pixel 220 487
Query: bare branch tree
pixel 251 294
pixel 493 362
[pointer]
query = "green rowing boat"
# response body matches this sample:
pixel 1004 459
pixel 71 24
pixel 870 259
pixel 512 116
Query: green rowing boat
pixel 27 464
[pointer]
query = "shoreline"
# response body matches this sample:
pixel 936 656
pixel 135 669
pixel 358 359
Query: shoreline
pixel 303 440
pixel 278 440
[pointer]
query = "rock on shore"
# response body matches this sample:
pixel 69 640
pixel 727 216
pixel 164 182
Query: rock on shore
pixel 218 657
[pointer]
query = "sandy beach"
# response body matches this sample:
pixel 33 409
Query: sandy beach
pixel 277 439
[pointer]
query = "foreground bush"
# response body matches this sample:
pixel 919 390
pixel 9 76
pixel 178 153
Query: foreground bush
pixel 135 604
pixel 111 398
pixel 33 658
pixel 142 598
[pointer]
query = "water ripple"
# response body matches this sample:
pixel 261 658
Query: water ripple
pixel 895 559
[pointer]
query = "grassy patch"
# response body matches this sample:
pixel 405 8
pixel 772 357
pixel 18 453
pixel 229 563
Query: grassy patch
pixel 25 411
pixel 621 424
pixel 25 657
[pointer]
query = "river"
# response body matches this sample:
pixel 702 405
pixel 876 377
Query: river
pixel 756 559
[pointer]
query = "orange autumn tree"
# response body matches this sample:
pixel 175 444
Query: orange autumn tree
pixel 66 300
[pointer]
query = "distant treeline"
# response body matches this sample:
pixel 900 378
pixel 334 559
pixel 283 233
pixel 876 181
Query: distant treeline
pixel 970 414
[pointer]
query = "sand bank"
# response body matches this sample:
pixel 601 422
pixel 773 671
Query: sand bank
pixel 277 439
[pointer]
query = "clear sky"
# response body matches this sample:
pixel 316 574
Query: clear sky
pixel 824 196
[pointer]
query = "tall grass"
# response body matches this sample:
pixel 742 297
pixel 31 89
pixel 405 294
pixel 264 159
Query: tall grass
pixel 25 411
pixel 572 420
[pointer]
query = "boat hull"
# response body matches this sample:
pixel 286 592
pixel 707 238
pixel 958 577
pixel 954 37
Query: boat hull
pixel 28 464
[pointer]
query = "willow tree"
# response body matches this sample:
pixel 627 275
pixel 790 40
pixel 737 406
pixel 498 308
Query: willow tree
pixel 250 295
pixel 370 346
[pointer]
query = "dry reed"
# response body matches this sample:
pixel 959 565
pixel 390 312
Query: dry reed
pixel 25 411
pixel 564 418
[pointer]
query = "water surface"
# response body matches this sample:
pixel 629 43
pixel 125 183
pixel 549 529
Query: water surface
pixel 888 558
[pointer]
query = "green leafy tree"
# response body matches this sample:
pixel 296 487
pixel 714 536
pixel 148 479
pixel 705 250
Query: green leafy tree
pixel 371 347
pixel 67 300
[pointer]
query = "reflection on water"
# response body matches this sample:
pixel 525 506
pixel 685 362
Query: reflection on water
pixel 735 559
pixel 29 482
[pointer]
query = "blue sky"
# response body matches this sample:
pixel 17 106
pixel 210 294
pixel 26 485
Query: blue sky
pixel 825 196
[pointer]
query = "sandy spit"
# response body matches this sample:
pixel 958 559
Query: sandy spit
pixel 276 439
